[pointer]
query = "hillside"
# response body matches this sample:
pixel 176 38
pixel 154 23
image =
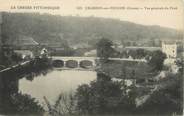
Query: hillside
pixel 45 28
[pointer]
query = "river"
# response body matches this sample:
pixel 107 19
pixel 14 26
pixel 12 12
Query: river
pixel 54 83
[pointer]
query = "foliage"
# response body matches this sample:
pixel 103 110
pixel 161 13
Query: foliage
pixel 137 54
pixel 104 49
pixel 167 100
pixel 64 105
pixel 104 96
pixel 32 69
pixel 125 69
pixel 19 103
pixel 37 67
pixel 74 30
pixel 9 57
pixel 157 60
pixel 16 58
pixel 180 64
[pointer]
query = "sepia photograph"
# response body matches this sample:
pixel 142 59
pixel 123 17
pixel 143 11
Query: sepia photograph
pixel 91 57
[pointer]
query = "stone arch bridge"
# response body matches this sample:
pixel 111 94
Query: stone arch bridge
pixel 74 62
pixel 83 62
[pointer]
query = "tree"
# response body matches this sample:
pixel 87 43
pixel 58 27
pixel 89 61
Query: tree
pixel 166 100
pixel 180 64
pixel 157 59
pixel 16 57
pixel 140 53
pixel 104 49
pixel 104 96
pixel 64 105
pixel 20 104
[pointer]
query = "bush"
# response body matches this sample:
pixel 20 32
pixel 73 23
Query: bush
pixel 104 96
pixel 167 100
pixel 22 104
pixel 64 105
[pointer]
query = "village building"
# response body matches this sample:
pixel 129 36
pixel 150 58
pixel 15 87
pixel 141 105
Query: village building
pixel 44 53
pixel 91 53
pixel 25 54
pixel 170 49
pixel 127 82
pixel 58 49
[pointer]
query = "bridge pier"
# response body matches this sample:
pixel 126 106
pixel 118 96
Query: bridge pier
pixel 78 64
pixel 64 64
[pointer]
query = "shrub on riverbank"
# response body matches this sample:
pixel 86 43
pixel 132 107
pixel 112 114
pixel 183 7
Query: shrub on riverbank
pixel 167 100
pixel 104 96
pixel 21 104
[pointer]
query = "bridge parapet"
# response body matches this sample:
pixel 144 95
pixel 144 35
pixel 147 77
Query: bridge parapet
pixel 79 60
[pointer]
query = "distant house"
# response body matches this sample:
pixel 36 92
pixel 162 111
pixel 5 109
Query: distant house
pixel 127 82
pixel 24 53
pixel 127 76
pixel 169 61
pixel 58 49
pixel 170 49
pixel 55 49
pixel 44 53
pixel 91 53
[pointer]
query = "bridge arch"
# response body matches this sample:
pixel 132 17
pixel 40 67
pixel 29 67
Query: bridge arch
pixel 71 64
pixel 86 64
pixel 58 63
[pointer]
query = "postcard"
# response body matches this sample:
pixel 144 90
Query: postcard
pixel 91 57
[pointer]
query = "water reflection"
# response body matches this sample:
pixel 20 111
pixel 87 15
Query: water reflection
pixel 55 82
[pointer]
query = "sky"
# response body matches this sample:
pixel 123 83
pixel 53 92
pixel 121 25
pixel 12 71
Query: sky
pixel 166 13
